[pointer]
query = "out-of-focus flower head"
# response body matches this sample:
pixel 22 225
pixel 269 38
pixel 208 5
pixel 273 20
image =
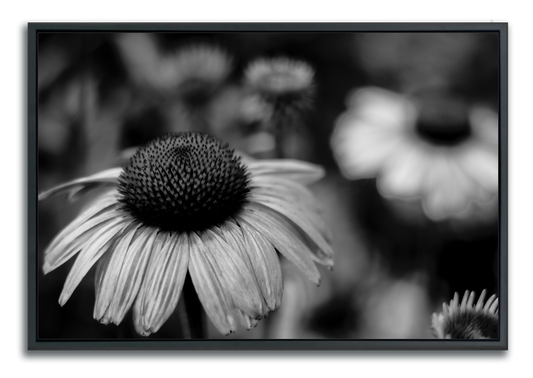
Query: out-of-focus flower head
pixel 186 203
pixel 191 72
pixel 283 82
pixel 198 71
pixel 466 320
pixel 435 148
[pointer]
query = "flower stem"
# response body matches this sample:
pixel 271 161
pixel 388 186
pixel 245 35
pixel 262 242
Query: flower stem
pixel 191 313
pixel 277 130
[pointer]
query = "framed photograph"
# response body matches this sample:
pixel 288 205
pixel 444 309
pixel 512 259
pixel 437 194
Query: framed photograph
pixel 238 186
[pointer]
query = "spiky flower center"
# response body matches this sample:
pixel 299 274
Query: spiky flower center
pixel 184 182
pixel 470 325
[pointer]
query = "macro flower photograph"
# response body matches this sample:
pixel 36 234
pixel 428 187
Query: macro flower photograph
pixel 268 186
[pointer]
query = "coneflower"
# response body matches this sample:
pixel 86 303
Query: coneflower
pixel 187 204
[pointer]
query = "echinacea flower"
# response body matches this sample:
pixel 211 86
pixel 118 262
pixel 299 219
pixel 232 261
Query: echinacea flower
pixel 466 320
pixel 282 82
pixel 436 149
pixel 186 204
pixel 286 86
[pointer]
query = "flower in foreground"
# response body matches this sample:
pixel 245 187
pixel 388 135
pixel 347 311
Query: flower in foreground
pixel 437 149
pixel 466 320
pixel 186 204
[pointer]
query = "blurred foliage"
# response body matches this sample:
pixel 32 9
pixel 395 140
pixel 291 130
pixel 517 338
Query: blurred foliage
pixel 102 94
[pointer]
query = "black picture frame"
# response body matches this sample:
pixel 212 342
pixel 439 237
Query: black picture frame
pixel 27 351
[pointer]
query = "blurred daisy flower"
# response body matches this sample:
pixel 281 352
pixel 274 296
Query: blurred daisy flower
pixel 466 320
pixel 186 204
pixel 437 149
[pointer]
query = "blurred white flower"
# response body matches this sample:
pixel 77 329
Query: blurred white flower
pixel 438 150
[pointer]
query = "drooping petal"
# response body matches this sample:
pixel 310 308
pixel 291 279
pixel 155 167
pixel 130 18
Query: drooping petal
pixel 163 283
pixel 131 274
pixel 91 253
pixel 77 233
pixel 297 195
pixel 299 171
pixel 283 237
pixel 235 275
pixel 108 271
pixel 263 259
pixel 109 176
pixel 209 287
pixel 301 221
pixel 246 321
pixel 287 189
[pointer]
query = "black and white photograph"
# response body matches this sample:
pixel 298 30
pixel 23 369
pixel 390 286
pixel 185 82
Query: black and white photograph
pixel 250 184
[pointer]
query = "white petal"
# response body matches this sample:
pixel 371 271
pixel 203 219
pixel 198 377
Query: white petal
pixel 436 187
pixel 163 282
pixel 464 301
pixel 362 149
pixel 301 220
pixel 108 271
pixel 382 107
pixel 494 306
pixel 236 277
pixel 470 303
pixel 209 288
pixel 404 176
pixel 109 176
pixel 263 260
pixel 295 170
pixel 70 241
pixel 90 254
pixel 493 299
pixel 288 190
pixel 470 187
pixel 132 273
pixel 479 304
pixel 282 235
pixel 481 164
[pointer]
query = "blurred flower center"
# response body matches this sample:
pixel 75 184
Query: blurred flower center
pixel 184 182
pixel 280 81
pixel 443 120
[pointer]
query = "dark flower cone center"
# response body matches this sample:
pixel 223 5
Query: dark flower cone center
pixel 443 121
pixel 184 182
